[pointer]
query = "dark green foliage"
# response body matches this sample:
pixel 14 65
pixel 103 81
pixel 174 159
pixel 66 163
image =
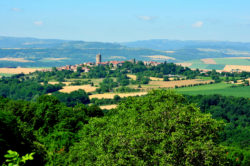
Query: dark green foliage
pixel 140 79
pixel 98 72
pixel 122 79
pixel 165 78
pixel 10 138
pixel 107 85
pixel 236 113
pixel 238 156
pixel 46 127
pixel 142 72
pixel 232 110
pixel 73 98
pixel 55 75
pixel 99 102
pixel 25 89
pixel 157 129
pixel 123 89
pixel 80 82
pixel 94 111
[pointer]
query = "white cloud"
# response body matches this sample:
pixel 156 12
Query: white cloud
pixel 16 9
pixel 146 18
pixel 38 23
pixel 198 24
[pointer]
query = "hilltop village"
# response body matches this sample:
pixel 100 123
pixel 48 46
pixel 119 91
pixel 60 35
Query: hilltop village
pixel 85 66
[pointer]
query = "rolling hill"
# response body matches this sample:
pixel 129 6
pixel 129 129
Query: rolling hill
pixel 32 52
pixel 164 44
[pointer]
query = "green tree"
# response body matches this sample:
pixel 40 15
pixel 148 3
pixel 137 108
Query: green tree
pixel 166 78
pixel 158 129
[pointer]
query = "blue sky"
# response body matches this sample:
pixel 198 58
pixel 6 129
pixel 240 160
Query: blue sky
pixel 126 20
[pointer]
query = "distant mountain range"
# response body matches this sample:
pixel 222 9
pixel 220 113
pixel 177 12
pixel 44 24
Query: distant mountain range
pixel 32 52
pixel 164 44
pixel 157 44
pixel 14 42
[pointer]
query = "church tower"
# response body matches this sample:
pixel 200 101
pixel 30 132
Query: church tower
pixel 98 59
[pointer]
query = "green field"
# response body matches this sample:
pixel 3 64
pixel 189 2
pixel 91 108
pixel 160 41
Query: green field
pixel 221 88
pixel 226 61
pixel 221 62
pixel 5 75
pixel 198 64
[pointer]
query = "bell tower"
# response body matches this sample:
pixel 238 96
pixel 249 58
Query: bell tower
pixel 98 58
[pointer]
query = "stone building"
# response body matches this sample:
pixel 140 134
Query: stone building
pixel 98 59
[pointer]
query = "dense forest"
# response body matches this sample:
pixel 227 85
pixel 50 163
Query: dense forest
pixel 150 130
pixel 46 127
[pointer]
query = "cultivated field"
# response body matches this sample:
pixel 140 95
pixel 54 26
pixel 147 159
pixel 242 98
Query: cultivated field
pixel 245 61
pixel 20 70
pixel 197 64
pixel 169 52
pixel 15 59
pixel 156 79
pixel 86 88
pixel 5 75
pixel 218 63
pixel 111 95
pixel 54 82
pixel 133 77
pixel 172 84
pixel 108 107
pixel 239 57
pixel 209 61
pixel 221 88
pixel 235 67
pixel 96 81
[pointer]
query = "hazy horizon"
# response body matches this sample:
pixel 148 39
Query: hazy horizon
pixel 125 21
pixel 118 42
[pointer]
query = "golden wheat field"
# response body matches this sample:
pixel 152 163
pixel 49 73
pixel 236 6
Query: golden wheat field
pixel 172 84
pixel 234 67
pixel 20 70
pixel 111 95
pixel 86 88
pixel 133 77
pixel 108 107
pixel 55 82
pixel 156 79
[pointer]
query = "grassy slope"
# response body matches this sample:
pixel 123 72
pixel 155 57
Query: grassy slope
pixel 6 74
pixel 221 62
pixel 221 88
pixel 232 61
